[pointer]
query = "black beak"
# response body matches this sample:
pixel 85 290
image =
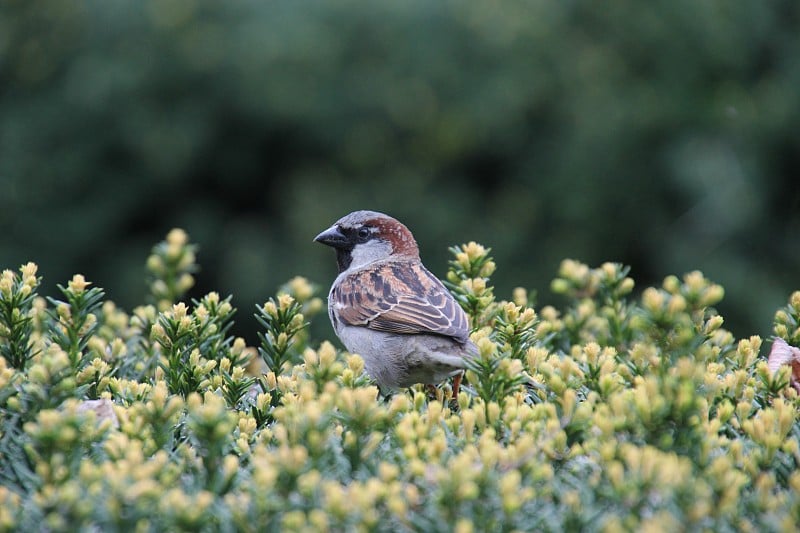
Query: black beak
pixel 332 237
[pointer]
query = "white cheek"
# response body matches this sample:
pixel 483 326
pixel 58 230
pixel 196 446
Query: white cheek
pixel 369 252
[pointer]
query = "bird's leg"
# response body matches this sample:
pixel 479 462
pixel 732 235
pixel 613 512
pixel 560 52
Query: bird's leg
pixel 457 384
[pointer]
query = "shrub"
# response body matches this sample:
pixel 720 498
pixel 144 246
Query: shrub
pixel 614 413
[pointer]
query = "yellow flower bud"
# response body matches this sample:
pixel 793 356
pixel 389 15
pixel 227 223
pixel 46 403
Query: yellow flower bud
pixel 388 471
pixel 185 282
pixel 301 288
pixel 263 401
pixel 91 321
pixel 179 310
pixel 314 306
pixel 28 270
pixel 677 304
pixel 177 237
pixel 626 286
pixel 185 323
pixel 486 347
pixel 78 284
pixel 327 354
pixel 464 525
pixel 652 300
pixel 285 301
pixel 310 357
pixel 695 281
pixel 559 286
pixel 713 295
pixel 159 288
pixel 187 259
pixel 155 264
pixel 157 332
pixel 781 316
pixel 794 301
pixel 6 286
pixel 238 347
pixel 64 312
pixel 355 363
pixel 487 269
pixel 520 296
pixel 713 324
pixel 474 250
pixel 271 309
pixel 493 412
pixel 478 285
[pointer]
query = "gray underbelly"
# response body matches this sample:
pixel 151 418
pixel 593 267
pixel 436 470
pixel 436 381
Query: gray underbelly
pixel 399 361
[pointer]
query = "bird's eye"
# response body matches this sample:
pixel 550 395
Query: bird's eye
pixel 363 234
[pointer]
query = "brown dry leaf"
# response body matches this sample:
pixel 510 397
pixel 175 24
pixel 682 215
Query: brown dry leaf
pixel 784 354
pixel 103 409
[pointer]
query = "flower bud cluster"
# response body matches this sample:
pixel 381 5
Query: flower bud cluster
pixel 170 268
pixel 610 412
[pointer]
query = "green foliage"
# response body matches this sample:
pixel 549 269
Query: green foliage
pixel 74 321
pixel 170 268
pixel 282 321
pixel 17 294
pixel 787 321
pixel 613 413
pixel 467 280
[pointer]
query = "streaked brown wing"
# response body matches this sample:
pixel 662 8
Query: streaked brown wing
pixel 401 297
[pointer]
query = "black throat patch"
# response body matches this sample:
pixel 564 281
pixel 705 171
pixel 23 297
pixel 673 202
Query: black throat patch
pixel 344 256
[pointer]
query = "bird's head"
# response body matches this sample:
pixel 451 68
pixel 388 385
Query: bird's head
pixel 363 237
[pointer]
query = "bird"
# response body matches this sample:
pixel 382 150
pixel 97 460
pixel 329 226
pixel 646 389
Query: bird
pixel 385 306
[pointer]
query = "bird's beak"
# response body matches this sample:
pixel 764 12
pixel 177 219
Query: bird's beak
pixel 332 237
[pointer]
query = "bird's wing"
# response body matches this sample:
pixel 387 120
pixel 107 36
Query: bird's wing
pixel 399 297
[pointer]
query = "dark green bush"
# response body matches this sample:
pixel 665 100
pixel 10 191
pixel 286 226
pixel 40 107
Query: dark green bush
pixel 660 133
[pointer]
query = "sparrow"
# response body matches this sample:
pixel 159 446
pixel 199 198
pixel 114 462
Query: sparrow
pixel 388 308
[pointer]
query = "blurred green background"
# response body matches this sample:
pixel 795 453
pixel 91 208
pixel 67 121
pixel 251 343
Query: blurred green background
pixel 662 134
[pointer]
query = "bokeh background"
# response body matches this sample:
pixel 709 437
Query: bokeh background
pixel 662 134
